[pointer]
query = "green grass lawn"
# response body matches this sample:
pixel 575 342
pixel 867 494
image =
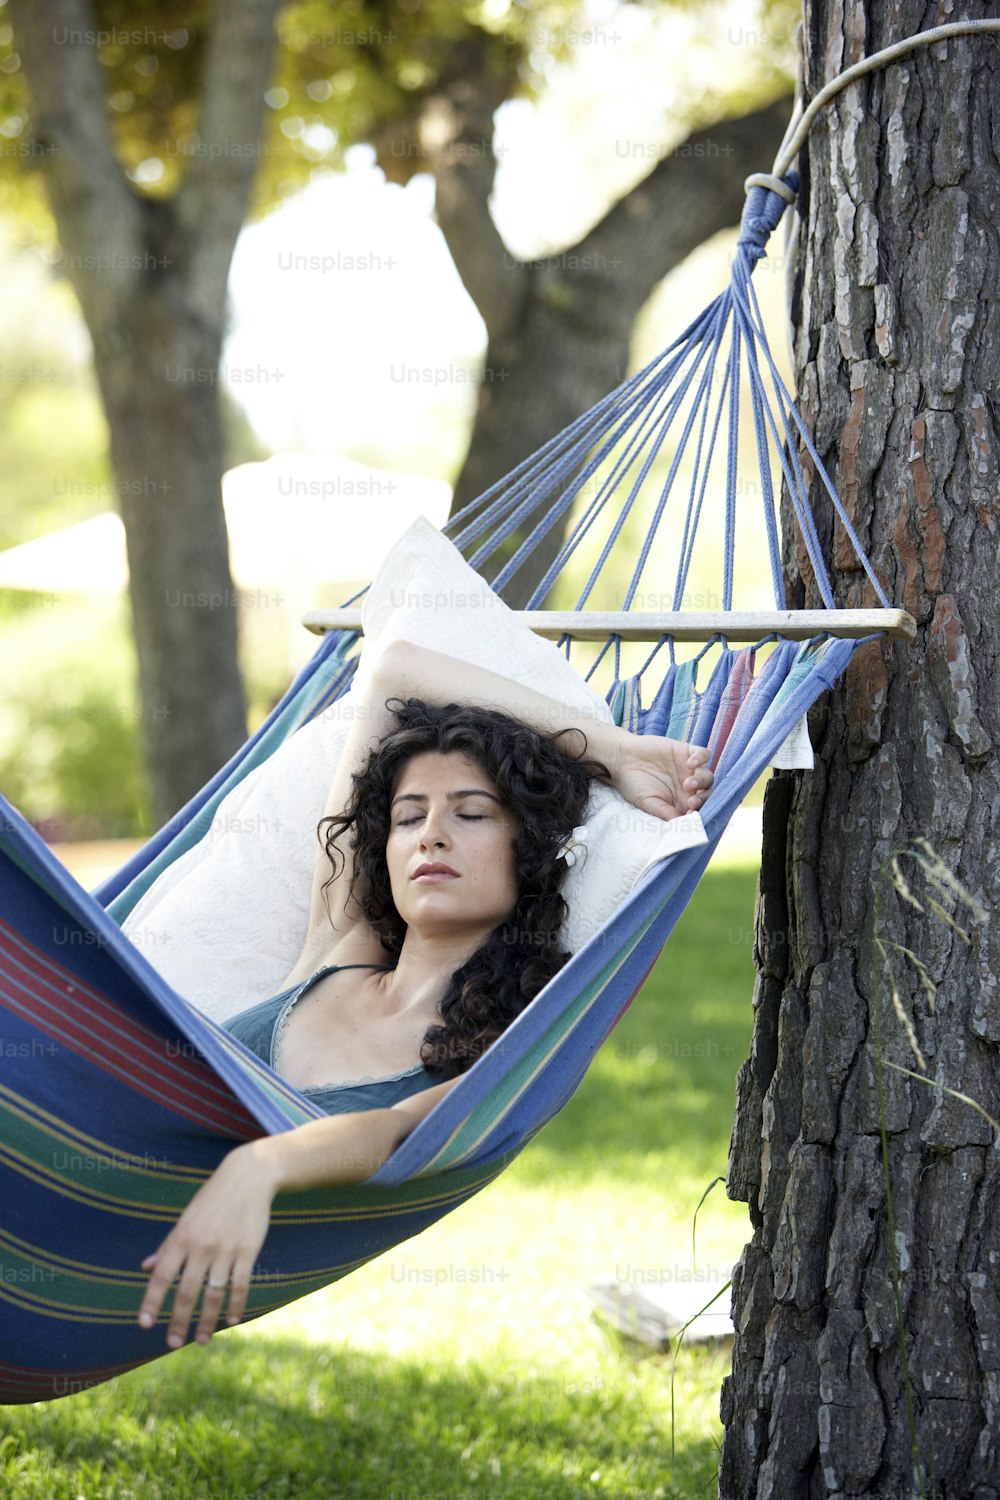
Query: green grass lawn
pixel 467 1363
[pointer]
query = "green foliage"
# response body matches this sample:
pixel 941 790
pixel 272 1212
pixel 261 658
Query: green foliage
pixel 344 73
pixel 70 756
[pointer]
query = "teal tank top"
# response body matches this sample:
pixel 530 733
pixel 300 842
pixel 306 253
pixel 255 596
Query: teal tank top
pixel 260 1028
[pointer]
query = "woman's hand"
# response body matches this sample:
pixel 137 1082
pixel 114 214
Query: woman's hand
pixel 219 1235
pixel 217 1238
pixel 664 777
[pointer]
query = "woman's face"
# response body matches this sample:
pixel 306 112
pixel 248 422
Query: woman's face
pixel 446 810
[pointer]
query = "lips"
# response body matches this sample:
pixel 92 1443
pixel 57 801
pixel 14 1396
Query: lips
pixel 431 872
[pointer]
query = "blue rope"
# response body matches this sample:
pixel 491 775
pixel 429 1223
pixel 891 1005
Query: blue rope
pixel 789 410
pixel 612 449
pixel 704 386
pixel 668 484
pixel 692 518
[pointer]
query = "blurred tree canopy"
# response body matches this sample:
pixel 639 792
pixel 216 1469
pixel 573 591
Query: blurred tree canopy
pixel 136 139
pixel 345 73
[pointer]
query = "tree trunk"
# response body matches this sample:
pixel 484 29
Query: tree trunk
pixel 559 328
pixel 158 370
pixel 150 276
pixel 899 372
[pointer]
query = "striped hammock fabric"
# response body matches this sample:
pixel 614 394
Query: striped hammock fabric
pixel 118 1098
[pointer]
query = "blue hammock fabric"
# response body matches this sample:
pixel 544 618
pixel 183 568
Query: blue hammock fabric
pixel 118 1098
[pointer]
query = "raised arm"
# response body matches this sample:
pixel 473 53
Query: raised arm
pixel 416 672
pixel 663 777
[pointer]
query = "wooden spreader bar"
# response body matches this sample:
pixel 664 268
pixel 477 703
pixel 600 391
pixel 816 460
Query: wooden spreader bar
pixel 685 625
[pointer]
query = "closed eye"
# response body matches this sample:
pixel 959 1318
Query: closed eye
pixel 469 817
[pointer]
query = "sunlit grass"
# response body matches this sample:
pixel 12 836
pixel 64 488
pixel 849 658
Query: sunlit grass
pixel 467 1361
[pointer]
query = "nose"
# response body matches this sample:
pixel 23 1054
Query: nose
pixel 431 833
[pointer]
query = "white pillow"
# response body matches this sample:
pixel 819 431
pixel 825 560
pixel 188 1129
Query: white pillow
pixel 226 922
pixel 426 592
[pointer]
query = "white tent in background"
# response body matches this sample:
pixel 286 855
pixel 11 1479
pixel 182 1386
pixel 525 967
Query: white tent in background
pixel 296 523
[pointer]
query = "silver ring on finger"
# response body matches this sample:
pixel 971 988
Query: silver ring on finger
pixel 217 1286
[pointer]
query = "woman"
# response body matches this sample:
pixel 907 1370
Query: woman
pixel 444 924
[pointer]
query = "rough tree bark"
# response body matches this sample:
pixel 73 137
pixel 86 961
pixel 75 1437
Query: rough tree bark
pixel 558 328
pixel 151 279
pixel 899 377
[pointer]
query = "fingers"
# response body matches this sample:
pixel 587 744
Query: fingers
pixel 212 1299
pixel 167 1264
pixel 699 783
pixel 238 1289
pixel 184 1301
pixel 196 1276
pixel 149 1309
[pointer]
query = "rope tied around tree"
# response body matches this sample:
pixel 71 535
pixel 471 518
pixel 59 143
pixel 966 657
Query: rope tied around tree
pixel 802 121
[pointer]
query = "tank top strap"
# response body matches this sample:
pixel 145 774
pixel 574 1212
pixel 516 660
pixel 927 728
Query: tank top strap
pixel 334 968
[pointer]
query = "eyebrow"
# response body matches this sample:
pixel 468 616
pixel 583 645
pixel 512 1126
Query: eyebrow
pixel 469 791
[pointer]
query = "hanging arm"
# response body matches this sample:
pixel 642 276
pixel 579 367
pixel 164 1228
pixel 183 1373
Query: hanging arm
pixel 215 1243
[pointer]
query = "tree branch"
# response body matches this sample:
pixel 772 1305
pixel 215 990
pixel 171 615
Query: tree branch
pixel 212 202
pixel 691 194
pixel 456 133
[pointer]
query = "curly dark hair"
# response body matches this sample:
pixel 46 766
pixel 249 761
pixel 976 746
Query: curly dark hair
pixel 546 788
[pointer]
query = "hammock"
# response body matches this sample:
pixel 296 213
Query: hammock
pixel 118 1098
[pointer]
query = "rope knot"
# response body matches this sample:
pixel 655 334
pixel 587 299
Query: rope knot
pixel 767 198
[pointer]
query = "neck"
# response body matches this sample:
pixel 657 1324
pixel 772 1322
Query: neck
pixel 427 961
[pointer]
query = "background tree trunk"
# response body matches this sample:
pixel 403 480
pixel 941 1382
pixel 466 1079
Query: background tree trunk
pixel 150 276
pixel 899 371
pixel 159 382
